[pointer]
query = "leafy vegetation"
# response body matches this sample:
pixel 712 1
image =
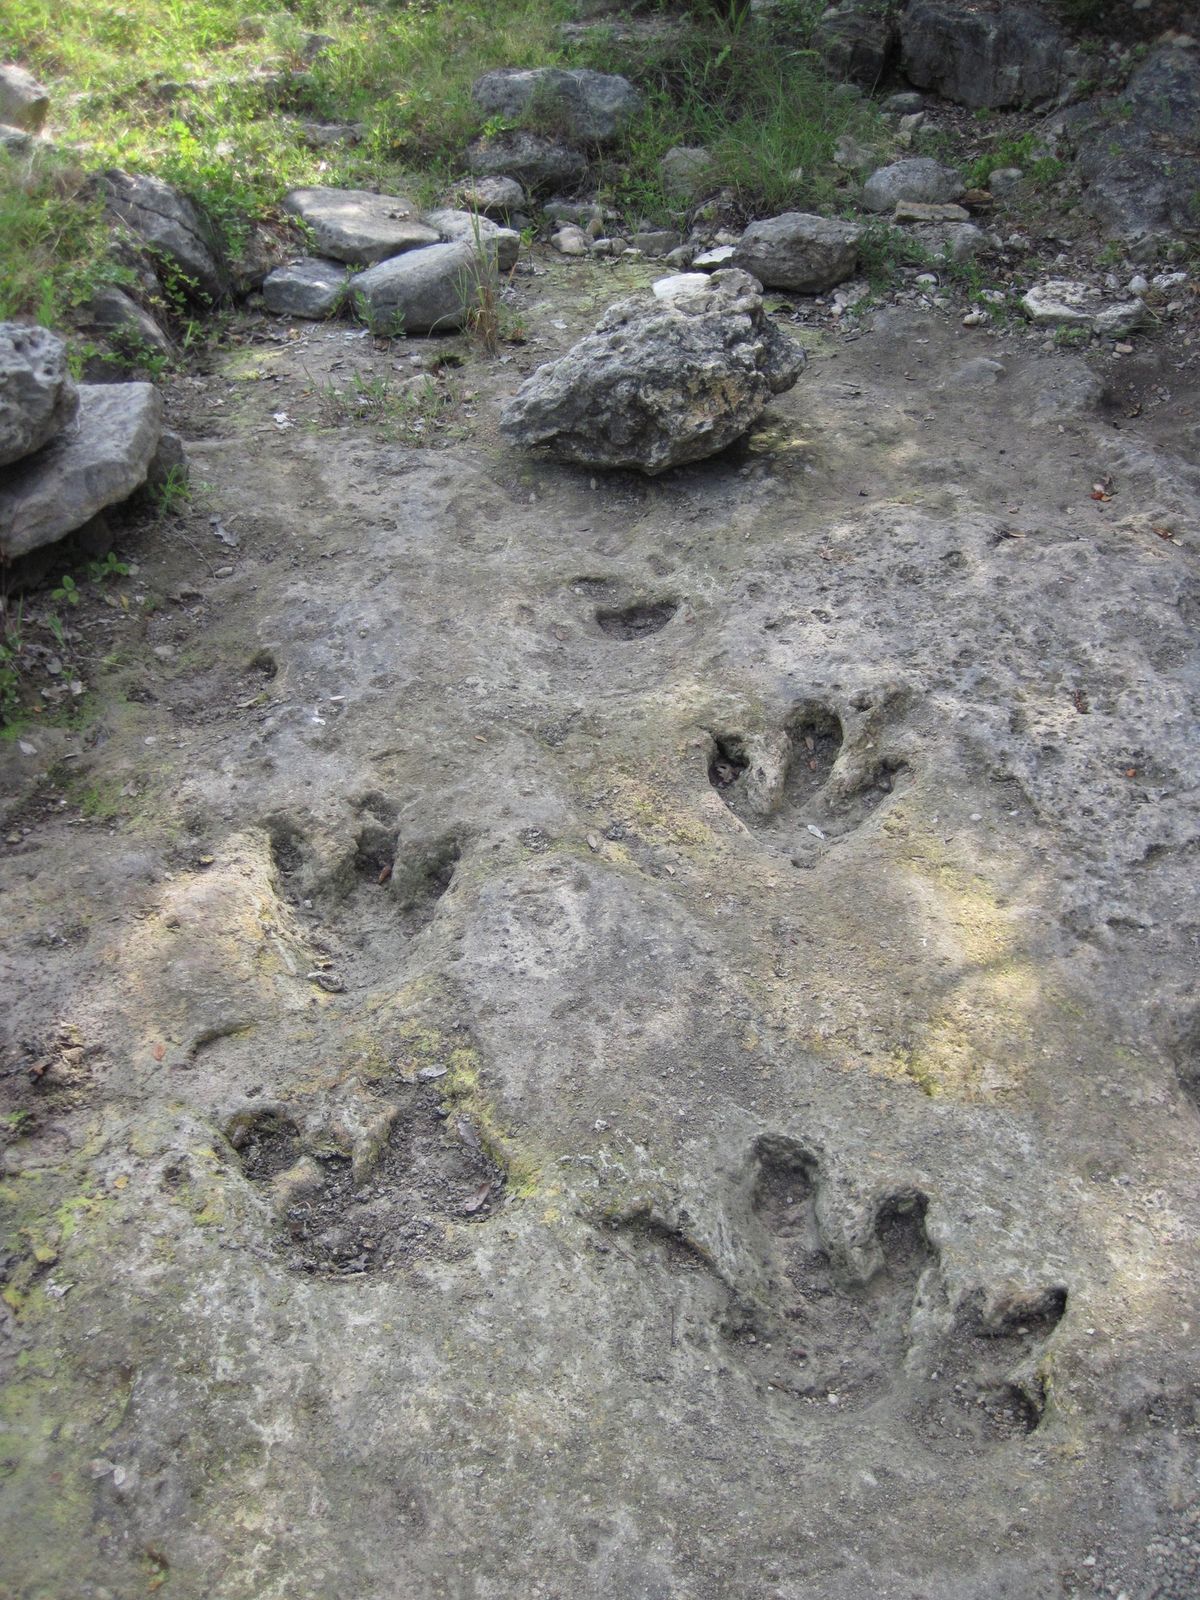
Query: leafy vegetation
pixel 214 101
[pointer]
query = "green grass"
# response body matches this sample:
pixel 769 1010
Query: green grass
pixel 186 90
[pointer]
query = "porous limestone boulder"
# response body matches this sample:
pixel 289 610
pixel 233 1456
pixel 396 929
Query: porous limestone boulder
pixel 533 160
pixel 37 396
pixel 667 377
pixel 799 251
pixel 98 462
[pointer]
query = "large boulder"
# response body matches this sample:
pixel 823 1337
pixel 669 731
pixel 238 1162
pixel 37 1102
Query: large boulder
pixel 23 101
pixel 665 378
pixel 454 226
pixel 37 397
pixel 97 463
pixel 170 226
pixel 128 325
pixel 798 251
pixel 358 227
pixel 1141 167
pixel 536 162
pixel 857 40
pixel 592 107
pixel 1065 303
pixel 917 178
pixel 433 290
pixel 987 54
pixel 491 197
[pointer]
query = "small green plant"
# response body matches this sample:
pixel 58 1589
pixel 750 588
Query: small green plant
pixel 108 567
pixel 67 591
pixel 171 493
pixel 11 647
pixel 1067 338
pixel 57 629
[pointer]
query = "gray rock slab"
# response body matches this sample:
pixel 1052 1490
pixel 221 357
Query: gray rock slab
pixel 424 291
pixel 535 161
pixel 1065 303
pixel 593 107
pixel 15 140
pixel 115 312
pixel 687 170
pixel 24 103
pixel 1008 55
pixel 454 226
pixel 915 178
pixel 656 241
pixel 311 287
pixel 799 251
pixel 98 462
pixel 169 225
pixel 358 227
pixel 38 398
pixel 665 378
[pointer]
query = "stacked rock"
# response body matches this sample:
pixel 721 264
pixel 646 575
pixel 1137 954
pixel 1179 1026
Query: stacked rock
pixel 67 451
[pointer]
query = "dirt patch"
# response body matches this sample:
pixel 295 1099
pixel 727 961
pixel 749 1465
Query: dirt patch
pixel 636 621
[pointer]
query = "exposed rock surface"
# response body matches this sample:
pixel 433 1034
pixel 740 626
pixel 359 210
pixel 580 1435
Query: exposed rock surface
pixel 114 312
pixel 686 170
pixel 24 103
pixel 798 251
pixel 1140 156
pixel 358 227
pixel 915 178
pixel 592 107
pixel 663 380
pixel 38 398
pixel 468 227
pixel 493 197
pixel 1007 54
pixel 1060 302
pixel 857 40
pixel 424 291
pixel 535 161
pixel 98 462
pixel 169 225
pixel 15 140
pixel 311 287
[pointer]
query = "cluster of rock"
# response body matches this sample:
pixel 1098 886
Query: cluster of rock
pixel 573 112
pixel 396 269
pixel 68 451
pixel 668 376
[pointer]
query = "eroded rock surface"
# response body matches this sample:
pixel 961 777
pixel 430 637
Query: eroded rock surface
pixel 592 107
pixel 38 397
pixel 358 227
pixel 170 226
pixel 798 251
pixel 664 379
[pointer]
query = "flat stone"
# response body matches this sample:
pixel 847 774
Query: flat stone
pixel 915 178
pixel 327 135
pixel 358 227
pixel 311 287
pixel 531 159
pixel 666 378
pixel 919 211
pixel 1064 303
pixel 171 227
pixel 424 291
pixel 37 396
pixel 99 462
pixel 453 226
pixel 571 241
pixel 798 251
pixel 593 107
pixel 656 241
pixel 24 103
pixel 713 260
